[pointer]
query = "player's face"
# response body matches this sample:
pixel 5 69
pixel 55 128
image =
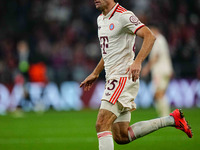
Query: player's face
pixel 101 4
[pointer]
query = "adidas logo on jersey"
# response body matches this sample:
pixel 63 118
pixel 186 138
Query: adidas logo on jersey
pixel 107 94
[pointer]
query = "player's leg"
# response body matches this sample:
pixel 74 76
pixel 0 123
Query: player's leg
pixel 105 119
pixel 120 128
pixel 123 133
pixel 104 122
pixel 120 132
pixel 143 128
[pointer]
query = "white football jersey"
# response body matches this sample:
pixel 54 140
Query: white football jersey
pixel 116 32
pixel 163 66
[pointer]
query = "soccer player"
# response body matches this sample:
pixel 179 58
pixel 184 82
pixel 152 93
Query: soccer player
pixel 117 29
pixel 161 69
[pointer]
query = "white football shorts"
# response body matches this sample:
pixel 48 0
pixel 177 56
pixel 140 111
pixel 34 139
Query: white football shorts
pixel 120 93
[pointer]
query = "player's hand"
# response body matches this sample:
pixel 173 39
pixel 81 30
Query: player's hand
pixel 134 71
pixel 88 82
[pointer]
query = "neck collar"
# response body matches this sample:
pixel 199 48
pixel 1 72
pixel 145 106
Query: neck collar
pixel 112 11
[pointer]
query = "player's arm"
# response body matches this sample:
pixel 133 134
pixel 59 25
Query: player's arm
pixel 148 41
pixel 88 82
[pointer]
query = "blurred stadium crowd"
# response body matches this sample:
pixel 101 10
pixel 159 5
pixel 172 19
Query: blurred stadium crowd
pixel 56 40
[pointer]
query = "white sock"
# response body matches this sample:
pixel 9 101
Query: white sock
pixel 143 128
pixel 105 140
pixel 162 107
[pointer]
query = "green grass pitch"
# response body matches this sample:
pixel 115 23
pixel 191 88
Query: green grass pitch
pixel 75 130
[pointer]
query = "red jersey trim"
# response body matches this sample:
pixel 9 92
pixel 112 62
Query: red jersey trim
pixel 139 28
pixel 114 11
pixel 118 91
pixel 121 9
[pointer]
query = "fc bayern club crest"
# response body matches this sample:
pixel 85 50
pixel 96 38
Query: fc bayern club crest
pixel 111 27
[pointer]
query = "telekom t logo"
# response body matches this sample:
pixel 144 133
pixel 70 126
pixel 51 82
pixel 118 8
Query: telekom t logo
pixel 104 43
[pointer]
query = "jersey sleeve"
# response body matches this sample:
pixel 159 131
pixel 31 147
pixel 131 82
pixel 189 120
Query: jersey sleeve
pixel 130 22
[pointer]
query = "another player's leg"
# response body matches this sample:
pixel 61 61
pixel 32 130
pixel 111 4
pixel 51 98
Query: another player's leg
pixel 105 119
pixel 160 100
pixel 161 103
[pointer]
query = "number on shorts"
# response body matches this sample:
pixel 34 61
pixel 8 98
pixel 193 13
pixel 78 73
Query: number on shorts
pixel 112 84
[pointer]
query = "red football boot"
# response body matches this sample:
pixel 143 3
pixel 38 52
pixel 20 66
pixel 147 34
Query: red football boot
pixel 181 123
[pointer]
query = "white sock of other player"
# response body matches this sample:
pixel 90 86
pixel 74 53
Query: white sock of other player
pixel 105 140
pixel 162 107
pixel 143 128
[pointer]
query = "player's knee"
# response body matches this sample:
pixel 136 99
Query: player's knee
pixel 117 139
pixel 120 140
pixel 102 126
